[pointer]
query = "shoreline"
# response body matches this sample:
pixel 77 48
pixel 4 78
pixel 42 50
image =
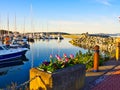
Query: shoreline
pixel 107 44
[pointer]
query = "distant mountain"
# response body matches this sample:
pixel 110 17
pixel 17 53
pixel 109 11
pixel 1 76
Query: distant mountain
pixel 103 34
pixel 116 34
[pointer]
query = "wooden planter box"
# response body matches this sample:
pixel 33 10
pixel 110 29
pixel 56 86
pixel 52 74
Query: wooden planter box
pixel 70 78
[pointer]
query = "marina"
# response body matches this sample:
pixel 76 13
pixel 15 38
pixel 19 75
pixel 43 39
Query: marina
pixel 59 44
pixel 39 51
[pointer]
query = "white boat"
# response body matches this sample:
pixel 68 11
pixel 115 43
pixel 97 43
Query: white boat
pixel 59 37
pixel 7 54
pixel 19 43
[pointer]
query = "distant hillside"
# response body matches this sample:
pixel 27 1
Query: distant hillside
pixel 63 33
pixel 116 34
pixel 5 31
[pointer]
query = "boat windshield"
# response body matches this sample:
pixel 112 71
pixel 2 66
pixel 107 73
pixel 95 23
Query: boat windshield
pixel 5 47
pixel 1 48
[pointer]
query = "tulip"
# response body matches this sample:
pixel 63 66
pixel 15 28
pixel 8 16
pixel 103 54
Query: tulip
pixel 58 57
pixel 71 56
pixel 65 55
pixel 51 56
pixel 66 59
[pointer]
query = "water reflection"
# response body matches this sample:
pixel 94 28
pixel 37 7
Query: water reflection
pixel 39 51
pixel 5 66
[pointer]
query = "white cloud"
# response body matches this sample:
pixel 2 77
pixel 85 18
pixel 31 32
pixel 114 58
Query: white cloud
pixel 105 2
pixel 103 25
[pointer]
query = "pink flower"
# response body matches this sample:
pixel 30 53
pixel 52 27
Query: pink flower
pixel 65 55
pixel 58 57
pixel 66 59
pixel 71 56
pixel 51 56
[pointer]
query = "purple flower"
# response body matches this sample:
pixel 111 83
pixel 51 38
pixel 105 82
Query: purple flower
pixel 46 63
pixel 71 56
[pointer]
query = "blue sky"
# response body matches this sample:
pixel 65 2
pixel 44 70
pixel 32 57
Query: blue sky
pixel 72 16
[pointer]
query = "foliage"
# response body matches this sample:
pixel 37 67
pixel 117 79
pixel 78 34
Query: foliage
pixel 85 58
pixel 57 62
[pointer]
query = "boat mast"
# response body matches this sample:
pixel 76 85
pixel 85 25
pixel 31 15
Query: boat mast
pixel 0 26
pixel 0 21
pixel 32 21
pixel 24 27
pixel 15 24
pixel 8 22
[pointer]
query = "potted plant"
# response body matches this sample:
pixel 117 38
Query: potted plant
pixel 59 73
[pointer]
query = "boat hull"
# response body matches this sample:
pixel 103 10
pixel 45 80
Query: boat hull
pixel 12 55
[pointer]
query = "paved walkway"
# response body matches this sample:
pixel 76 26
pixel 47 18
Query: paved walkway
pixel 108 77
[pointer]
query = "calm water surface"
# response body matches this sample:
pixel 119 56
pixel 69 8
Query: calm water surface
pixel 18 70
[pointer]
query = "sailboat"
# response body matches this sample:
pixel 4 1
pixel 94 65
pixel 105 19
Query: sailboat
pixel 18 41
pixel 31 36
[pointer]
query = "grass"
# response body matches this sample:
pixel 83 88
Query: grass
pixel 73 36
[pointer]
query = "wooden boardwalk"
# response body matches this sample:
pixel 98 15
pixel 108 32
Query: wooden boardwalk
pixel 108 77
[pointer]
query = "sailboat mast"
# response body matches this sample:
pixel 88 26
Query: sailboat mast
pixel 15 23
pixel 0 26
pixel 24 26
pixel 32 21
pixel 8 23
pixel 0 21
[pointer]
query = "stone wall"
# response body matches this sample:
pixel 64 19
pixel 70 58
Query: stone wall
pixel 70 78
pixel 88 42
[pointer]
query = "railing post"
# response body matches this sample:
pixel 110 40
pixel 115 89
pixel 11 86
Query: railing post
pixel 117 51
pixel 96 58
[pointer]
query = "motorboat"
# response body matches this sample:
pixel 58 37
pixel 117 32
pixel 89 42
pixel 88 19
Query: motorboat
pixel 19 43
pixel 11 53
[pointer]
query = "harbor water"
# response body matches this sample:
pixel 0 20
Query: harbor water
pixel 17 71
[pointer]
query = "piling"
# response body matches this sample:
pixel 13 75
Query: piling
pixel 96 58
pixel 118 51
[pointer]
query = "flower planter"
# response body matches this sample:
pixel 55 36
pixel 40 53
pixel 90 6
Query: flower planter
pixel 70 78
